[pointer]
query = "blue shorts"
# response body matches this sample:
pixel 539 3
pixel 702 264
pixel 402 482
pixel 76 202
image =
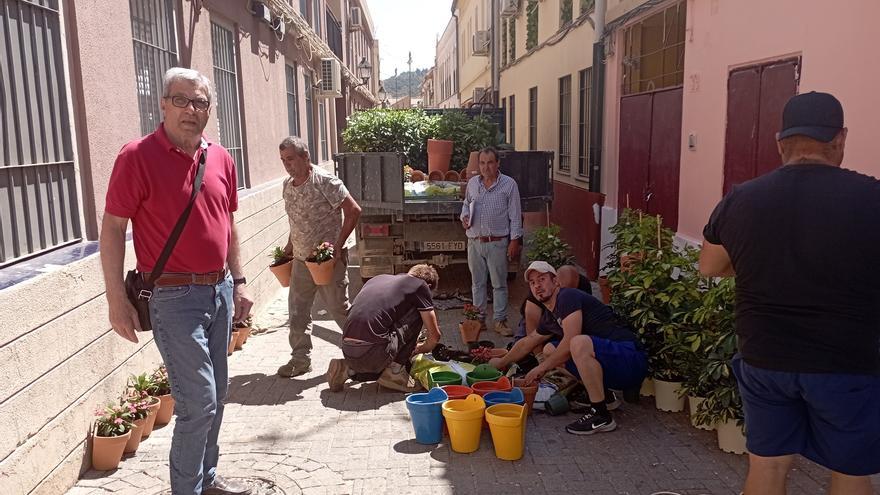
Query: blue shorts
pixel 623 364
pixel 832 419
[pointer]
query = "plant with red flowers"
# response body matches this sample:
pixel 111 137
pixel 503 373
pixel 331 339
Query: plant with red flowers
pixel 113 420
pixel 471 312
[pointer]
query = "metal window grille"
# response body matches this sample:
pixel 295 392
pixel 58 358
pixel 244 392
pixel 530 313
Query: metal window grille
pixel 322 123
pixel 316 14
pixel 533 118
pixel 292 100
pixel 566 12
pixel 531 24
pixel 654 51
pixel 512 133
pixel 512 41
pixel 565 124
pixel 310 115
pixel 39 207
pixel 585 83
pixel 155 51
pixel 334 34
pixel 226 82
pixel 504 43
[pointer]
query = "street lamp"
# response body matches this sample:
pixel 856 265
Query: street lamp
pixel 382 95
pixel 365 70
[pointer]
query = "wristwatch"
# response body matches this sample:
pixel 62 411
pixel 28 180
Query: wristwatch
pixel 239 281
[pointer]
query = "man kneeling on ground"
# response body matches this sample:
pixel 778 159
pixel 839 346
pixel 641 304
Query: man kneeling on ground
pixel 589 340
pixel 382 330
pixel 533 313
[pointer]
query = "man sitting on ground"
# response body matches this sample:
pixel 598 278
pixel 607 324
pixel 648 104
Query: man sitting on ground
pixel 382 330
pixel 588 340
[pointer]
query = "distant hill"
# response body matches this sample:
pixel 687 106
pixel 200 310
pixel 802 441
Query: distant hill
pixel 398 87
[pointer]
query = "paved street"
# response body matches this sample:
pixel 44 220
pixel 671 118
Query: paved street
pixel 297 435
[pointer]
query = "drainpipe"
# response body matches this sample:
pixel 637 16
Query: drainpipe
pixel 597 97
pixel 494 56
pixel 457 71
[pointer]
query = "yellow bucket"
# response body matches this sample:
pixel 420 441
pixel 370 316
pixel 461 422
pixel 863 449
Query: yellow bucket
pixel 508 425
pixel 464 418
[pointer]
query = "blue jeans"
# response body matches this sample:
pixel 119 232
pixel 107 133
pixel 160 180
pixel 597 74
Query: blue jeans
pixel 191 327
pixel 489 258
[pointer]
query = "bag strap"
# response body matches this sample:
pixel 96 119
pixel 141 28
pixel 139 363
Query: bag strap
pixel 178 227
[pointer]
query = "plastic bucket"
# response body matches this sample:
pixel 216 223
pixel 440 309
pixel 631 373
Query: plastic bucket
pixel 464 418
pixel 483 373
pixel 500 385
pixel 427 417
pixel 441 378
pixel 514 396
pixel 507 422
pixel 456 392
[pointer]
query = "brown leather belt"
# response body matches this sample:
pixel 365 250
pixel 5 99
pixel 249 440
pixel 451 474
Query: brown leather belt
pixel 175 279
pixel 489 238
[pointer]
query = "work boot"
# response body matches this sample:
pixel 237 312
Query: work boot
pixel 337 374
pixel 502 329
pixel 223 486
pixel 295 368
pixel 398 380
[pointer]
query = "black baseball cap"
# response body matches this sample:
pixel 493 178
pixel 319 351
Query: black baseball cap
pixel 816 115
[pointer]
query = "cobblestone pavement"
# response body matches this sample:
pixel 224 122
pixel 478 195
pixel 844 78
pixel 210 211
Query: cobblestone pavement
pixel 294 436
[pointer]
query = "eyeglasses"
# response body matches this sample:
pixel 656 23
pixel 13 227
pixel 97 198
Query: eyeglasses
pixel 183 102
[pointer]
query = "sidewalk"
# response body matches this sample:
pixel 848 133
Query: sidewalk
pixel 295 434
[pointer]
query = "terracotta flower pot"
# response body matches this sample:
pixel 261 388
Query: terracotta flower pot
pixel 166 410
pixel 233 339
pixel 439 154
pixel 151 418
pixel 241 337
pixel 473 166
pixel 134 440
pixel 107 451
pixel 451 176
pixel 605 288
pixel 282 273
pixel 322 273
pixel 731 437
pixel 435 175
pixel 470 330
pixel 529 392
pixel 246 332
pixel 417 176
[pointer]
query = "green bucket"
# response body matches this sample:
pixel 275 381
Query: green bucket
pixel 441 378
pixel 483 373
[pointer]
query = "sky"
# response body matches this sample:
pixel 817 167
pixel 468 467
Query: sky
pixel 408 25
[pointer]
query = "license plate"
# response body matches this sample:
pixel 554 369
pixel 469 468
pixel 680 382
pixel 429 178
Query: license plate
pixel 443 246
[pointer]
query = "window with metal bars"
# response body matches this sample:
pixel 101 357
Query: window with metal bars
pixel 585 85
pixel 504 43
pixel 292 100
pixel 586 6
pixel 39 207
pixel 654 51
pixel 533 118
pixel 566 12
pixel 304 11
pixel 512 41
pixel 155 51
pixel 316 14
pixel 565 124
pixel 322 131
pixel 310 116
pixel 531 24
pixel 226 83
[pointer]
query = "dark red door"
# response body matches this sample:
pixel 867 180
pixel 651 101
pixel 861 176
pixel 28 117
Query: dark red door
pixel 755 99
pixel 650 152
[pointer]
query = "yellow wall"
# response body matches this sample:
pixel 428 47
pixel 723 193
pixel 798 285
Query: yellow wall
pixel 474 71
pixel 543 67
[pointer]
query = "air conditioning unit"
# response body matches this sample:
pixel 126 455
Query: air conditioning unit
pixel 481 43
pixel 509 8
pixel 481 95
pixel 331 80
pixel 261 11
pixel 356 19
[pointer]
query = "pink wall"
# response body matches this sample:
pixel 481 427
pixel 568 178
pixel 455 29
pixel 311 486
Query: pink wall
pixel 839 55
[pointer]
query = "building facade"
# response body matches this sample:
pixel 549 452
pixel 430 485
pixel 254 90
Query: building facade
pixel 78 84
pixel 426 90
pixel 446 67
pixel 474 51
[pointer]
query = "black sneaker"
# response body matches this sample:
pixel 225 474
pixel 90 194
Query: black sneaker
pixel 592 422
pixel 580 401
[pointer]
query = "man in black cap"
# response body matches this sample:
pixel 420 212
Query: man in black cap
pixel 803 242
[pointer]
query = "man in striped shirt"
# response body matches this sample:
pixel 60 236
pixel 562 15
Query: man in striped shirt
pixel 492 218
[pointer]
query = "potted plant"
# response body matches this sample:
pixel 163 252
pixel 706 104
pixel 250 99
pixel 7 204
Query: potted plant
pixel 379 130
pixel 163 392
pixel 233 339
pixel 545 244
pixel 281 266
pixel 144 387
pixel 244 330
pixel 468 135
pixel 472 324
pixel 138 410
pixel 321 263
pixel 109 436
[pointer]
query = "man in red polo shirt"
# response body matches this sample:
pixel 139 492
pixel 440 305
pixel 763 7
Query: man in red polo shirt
pixel 202 289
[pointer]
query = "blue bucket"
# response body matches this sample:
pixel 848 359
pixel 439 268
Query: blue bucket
pixel 515 396
pixel 427 416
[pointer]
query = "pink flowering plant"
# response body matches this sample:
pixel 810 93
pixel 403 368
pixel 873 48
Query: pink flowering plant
pixel 471 312
pixel 138 404
pixel 322 253
pixel 113 420
pixel 160 381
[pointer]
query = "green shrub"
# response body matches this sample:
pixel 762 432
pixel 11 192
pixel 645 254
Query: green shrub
pixel 391 130
pixel 468 134
pixel 546 245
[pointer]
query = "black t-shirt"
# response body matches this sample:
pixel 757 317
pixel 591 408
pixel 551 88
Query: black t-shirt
pixel 805 244
pixel 597 319
pixel 584 284
pixel 383 301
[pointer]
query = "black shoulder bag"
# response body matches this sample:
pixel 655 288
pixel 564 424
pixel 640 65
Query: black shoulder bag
pixel 139 289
